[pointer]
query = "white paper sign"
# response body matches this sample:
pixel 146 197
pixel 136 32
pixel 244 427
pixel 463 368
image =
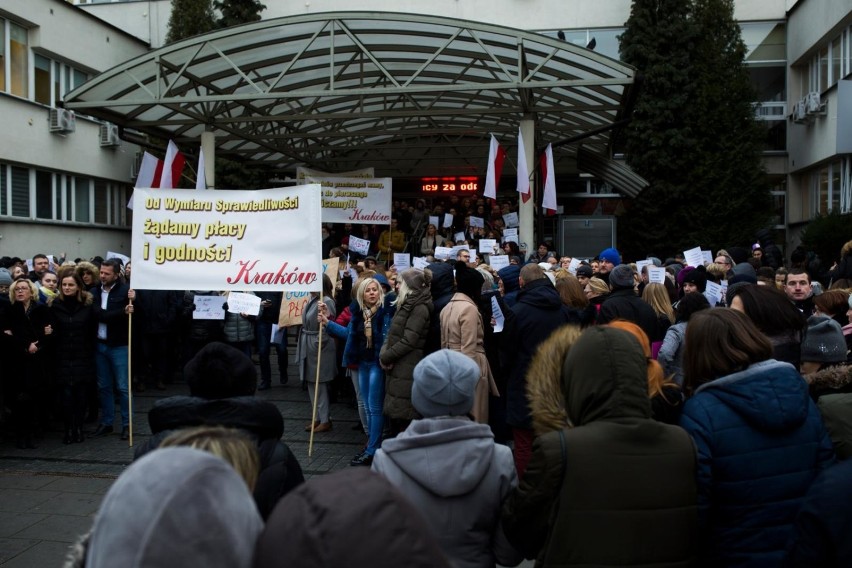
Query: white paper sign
pixel 240 303
pixel 656 275
pixel 488 246
pixel 124 259
pixel 574 265
pixel 458 237
pixel 713 292
pixel 724 291
pixel 455 250
pixel 443 252
pixel 497 314
pixel 477 222
pixel 360 246
pixel 435 220
pixel 264 240
pixel 420 262
pixel 354 199
pixel 693 257
pixel 448 219
pixel 401 260
pixel 510 233
pixel 641 264
pixel 511 220
pixel 707 256
pixel 498 261
pixel 277 335
pixel 208 308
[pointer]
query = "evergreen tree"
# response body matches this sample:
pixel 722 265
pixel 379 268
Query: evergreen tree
pixel 236 12
pixel 693 134
pixel 189 18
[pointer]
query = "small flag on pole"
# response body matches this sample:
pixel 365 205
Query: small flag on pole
pixel 200 176
pixel 172 166
pixel 549 199
pixel 523 171
pixel 496 155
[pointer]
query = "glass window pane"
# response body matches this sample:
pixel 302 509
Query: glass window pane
pixel 835 186
pixel 101 200
pixel 823 191
pixel 18 58
pixel 57 82
pixel 79 78
pixel 41 80
pixel 835 60
pixel 81 199
pixel 20 192
pixel 3 200
pixel 765 41
pixel 823 69
pixel 44 195
pixel 2 55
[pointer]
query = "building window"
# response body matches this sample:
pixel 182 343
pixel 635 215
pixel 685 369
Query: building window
pixel 15 48
pixel 82 200
pixel 101 202
pixel 20 192
pixel 41 80
pixel 44 195
pixel 52 80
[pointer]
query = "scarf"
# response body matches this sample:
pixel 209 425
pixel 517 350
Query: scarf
pixel 368 324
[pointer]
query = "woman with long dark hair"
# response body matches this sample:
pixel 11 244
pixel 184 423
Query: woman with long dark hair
pixel 760 439
pixel 75 329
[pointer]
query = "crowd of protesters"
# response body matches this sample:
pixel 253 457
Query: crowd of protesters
pixel 576 413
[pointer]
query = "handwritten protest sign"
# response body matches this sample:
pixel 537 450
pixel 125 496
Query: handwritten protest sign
pixel 511 220
pixel 208 307
pixel 442 252
pixel 693 257
pixel 227 240
pixel 488 246
pixel 420 262
pixel 713 292
pixel 498 261
pixel 293 303
pixel 640 264
pixel 656 275
pixel 355 200
pixel 240 303
pixel 401 260
pixel 360 246
pixel 477 222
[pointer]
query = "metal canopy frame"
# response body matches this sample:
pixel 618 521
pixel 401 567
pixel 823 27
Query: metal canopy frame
pixel 407 94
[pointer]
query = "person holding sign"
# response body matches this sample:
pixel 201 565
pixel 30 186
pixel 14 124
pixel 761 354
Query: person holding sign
pixel 392 240
pixel 308 350
pixel 430 240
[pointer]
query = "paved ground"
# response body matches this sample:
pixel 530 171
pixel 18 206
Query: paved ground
pixel 48 496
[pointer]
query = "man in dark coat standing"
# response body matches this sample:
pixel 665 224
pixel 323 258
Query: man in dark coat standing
pixel 538 313
pixel 623 303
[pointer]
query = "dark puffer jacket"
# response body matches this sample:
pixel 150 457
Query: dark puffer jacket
pixel 617 488
pixel 403 348
pixel 442 289
pixel 279 470
pixel 74 330
pixel 761 443
pixel 623 303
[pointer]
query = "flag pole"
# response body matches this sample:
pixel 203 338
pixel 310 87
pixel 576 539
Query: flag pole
pixel 130 373
pixel 316 389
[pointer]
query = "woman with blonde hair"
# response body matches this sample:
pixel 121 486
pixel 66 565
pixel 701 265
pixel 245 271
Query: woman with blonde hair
pixel 232 445
pixel 657 297
pixel 596 291
pixel 665 395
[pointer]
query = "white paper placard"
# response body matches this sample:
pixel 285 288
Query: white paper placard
pixel 420 262
pixel 498 261
pixel 448 220
pixel 208 308
pixel 725 291
pixel 458 236
pixel 713 292
pixel 477 222
pixel 435 220
pixel 656 275
pixel 443 252
pixel 574 265
pixel 707 257
pixel 110 254
pixel 488 246
pixel 455 250
pixel 401 260
pixel 240 303
pixel 360 246
pixel 641 264
pixel 510 233
pixel 511 220
pixel 497 314
pixel 693 257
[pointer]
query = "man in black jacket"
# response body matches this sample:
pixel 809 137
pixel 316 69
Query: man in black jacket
pixel 623 303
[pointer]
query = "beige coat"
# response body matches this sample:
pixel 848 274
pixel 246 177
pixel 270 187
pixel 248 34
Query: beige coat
pixel 462 331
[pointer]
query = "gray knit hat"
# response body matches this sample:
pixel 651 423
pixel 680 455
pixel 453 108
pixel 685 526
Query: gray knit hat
pixel 416 278
pixel 823 342
pixel 444 383
pixel 5 277
pixel 621 277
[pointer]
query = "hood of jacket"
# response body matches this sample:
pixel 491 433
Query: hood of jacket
pixel 176 507
pixel 770 396
pixel 442 283
pixel 259 417
pixel 605 377
pixel 447 456
pixel 544 381
pixel 509 275
pixel 541 294
pixel 835 377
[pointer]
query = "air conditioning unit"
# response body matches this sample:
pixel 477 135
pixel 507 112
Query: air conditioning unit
pixel 109 135
pixel 800 114
pixel 814 104
pixel 62 120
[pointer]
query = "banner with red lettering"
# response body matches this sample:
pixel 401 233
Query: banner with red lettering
pixel 267 239
pixel 293 303
pixel 355 200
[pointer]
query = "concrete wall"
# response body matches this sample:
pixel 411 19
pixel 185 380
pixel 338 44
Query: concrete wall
pixel 19 239
pixel 148 20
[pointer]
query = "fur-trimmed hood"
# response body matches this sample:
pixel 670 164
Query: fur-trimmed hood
pixel 835 377
pixel 544 381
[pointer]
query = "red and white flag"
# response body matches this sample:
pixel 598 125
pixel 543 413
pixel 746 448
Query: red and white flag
pixel 172 166
pixel 523 171
pixel 200 176
pixel 549 199
pixel 150 171
pixel 496 155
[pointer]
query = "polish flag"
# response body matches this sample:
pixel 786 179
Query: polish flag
pixel 496 155
pixel 172 166
pixel 549 199
pixel 200 177
pixel 523 172
pixel 150 171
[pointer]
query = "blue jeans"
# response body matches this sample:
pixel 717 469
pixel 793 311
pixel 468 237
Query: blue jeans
pixel 263 334
pixel 111 369
pixel 372 380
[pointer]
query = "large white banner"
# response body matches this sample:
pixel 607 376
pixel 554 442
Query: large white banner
pixel 268 239
pixel 303 173
pixel 355 200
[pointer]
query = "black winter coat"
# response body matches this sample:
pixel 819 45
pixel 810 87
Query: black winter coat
pixel 113 316
pixel 623 303
pixel 74 331
pixel 157 310
pixel 27 372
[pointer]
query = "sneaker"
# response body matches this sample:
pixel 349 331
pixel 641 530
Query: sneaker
pixel 364 459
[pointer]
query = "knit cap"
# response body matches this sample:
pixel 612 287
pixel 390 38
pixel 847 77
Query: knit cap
pixel 416 278
pixel 824 341
pixel 621 277
pixel 444 383
pixel 5 277
pixel 584 270
pixel 610 255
